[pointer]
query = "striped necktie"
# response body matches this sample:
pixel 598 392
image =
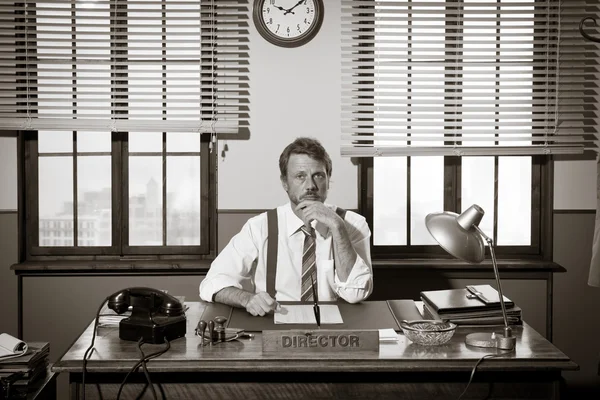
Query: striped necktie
pixel 309 266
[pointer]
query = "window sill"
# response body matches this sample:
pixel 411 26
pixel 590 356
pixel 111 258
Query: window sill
pixel 453 265
pixel 200 267
pixel 113 267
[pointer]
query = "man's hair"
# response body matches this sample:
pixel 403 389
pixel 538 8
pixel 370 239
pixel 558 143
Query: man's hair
pixel 304 145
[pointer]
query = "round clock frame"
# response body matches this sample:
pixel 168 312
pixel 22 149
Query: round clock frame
pixel 282 40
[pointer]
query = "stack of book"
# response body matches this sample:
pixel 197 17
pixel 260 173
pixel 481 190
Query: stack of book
pixel 473 305
pixel 20 374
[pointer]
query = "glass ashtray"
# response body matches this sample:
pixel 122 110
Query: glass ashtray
pixel 428 332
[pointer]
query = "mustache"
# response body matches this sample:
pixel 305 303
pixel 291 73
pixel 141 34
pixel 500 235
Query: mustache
pixel 310 195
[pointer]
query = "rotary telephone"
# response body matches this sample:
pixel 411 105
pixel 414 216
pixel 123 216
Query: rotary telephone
pixel 155 315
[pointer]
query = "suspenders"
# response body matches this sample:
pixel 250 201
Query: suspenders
pixel 273 235
pixel 272 244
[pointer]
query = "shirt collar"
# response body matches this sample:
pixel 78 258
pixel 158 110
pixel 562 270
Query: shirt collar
pixel 293 223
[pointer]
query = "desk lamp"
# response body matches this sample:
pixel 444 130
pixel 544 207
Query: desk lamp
pixel 461 236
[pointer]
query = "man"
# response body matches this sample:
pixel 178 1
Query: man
pixel 334 257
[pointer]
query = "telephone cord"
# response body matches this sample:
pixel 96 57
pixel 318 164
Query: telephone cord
pixel 145 368
pixel 139 363
pixel 90 349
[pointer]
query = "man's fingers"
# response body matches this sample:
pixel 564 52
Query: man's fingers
pixel 266 303
pixel 261 304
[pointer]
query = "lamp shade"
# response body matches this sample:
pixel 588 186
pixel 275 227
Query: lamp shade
pixel 457 233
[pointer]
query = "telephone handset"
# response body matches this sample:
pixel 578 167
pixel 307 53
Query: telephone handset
pixel 155 315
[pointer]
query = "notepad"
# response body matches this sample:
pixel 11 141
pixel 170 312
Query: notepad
pixel 11 347
pixel 304 314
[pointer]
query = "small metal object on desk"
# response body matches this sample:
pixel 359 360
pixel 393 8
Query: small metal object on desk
pixel 201 329
pixel 220 329
pixel 211 331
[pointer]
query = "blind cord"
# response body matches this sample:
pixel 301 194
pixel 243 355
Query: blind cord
pixel 113 83
pixel 28 122
pixel 213 138
pixel 460 11
pixel 556 92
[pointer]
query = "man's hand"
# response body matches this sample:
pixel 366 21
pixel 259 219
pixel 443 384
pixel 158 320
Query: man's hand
pixel 315 210
pixel 260 304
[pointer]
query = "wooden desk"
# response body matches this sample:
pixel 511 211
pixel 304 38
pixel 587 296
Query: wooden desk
pixel 385 271
pixel 239 369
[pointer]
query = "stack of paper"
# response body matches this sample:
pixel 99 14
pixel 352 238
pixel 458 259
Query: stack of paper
pixel 26 369
pixel 474 305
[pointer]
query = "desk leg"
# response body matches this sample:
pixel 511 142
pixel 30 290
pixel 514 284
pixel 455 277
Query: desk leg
pixel 549 305
pixel 20 307
pixel 74 390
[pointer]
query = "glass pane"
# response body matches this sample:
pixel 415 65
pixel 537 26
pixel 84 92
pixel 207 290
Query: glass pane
pixel 55 201
pixel 389 201
pixel 427 195
pixel 145 201
pixel 93 142
pixel 94 207
pixel 183 201
pixel 478 188
pixel 55 142
pixel 145 142
pixel 514 201
pixel 183 142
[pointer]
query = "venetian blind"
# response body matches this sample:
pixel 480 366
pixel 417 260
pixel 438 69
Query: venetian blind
pixel 467 77
pixel 119 65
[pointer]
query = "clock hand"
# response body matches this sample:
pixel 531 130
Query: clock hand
pixel 280 8
pixel 295 5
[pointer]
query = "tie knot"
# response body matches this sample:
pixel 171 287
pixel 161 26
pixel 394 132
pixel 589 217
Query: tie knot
pixel 308 231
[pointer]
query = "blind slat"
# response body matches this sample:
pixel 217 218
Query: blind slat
pixel 102 66
pixel 418 72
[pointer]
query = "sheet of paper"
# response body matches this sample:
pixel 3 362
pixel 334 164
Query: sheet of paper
pixel 388 335
pixel 304 314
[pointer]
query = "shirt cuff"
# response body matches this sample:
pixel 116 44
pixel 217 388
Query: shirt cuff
pixel 358 286
pixel 209 287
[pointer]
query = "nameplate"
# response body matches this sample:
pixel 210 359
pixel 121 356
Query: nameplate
pixel 321 341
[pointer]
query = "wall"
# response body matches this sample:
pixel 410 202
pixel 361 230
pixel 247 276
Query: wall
pixel 574 184
pixel 576 321
pixel 8 229
pixel 8 175
pixel 294 92
pixel 297 92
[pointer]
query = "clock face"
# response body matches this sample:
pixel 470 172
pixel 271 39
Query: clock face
pixel 288 23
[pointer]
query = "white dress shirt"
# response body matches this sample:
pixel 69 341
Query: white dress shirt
pixel 242 263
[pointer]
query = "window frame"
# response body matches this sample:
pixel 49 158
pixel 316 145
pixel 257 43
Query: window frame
pixel 541 193
pixel 29 202
pixel 541 213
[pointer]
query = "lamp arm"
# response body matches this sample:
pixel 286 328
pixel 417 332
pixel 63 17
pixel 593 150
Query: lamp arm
pixel 490 243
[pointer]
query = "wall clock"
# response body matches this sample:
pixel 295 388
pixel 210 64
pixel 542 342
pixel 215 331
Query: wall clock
pixel 288 23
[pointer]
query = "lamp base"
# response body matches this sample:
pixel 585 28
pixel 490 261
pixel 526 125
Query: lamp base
pixel 494 340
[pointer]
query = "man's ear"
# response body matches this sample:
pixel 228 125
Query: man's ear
pixel 284 183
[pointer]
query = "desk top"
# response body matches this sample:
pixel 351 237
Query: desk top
pixel 112 354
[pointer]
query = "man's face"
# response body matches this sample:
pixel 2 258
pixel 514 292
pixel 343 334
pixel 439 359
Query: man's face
pixel 306 179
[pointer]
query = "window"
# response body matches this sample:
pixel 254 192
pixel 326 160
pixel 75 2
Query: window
pixel 121 194
pixel 424 81
pixel 118 104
